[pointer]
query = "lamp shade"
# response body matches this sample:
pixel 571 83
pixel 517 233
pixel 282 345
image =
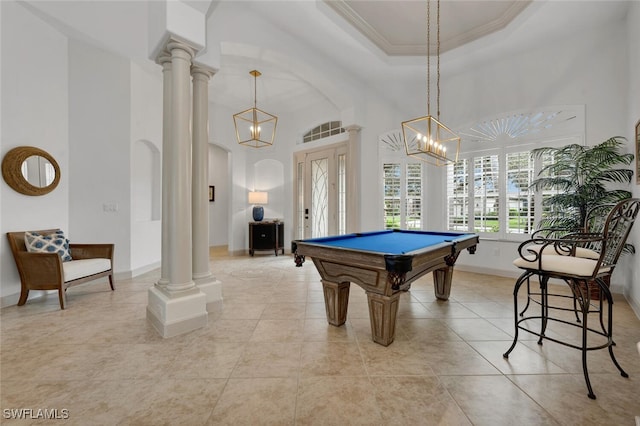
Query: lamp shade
pixel 258 197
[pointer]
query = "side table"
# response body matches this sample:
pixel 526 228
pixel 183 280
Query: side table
pixel 266 236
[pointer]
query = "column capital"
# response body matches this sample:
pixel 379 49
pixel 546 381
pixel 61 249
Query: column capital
pixel 163 58
pixel 353 128
pixel 175 44
pixel 202 70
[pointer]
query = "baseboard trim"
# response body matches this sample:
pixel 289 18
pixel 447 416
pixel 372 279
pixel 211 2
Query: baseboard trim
pixel 12 299
pixel 488 271
pixel 125 275
pixel 635 305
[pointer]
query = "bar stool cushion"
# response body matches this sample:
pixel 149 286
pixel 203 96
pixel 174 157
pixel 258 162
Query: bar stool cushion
pixel 570 265
pixel 580 251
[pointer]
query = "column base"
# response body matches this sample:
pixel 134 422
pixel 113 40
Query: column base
pixel 212 288
pixel 175 314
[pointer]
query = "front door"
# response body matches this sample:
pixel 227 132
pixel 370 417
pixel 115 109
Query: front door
pixel 321 192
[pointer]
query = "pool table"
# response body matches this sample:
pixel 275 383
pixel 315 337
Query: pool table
pixel 384 264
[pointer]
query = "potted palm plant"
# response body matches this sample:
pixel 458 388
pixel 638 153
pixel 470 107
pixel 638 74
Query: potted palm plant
pixel 582 178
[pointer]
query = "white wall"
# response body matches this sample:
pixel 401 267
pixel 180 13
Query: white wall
pixel 34 112
pixel 86 107
pixel 114 105
pixel 380 117
pixel 633 39
pixel 99 145
pixel 269 176
pixel 146 167
pixel 588 68
pixel 219 209
pixel 222 134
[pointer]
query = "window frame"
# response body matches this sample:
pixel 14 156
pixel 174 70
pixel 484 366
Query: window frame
pixel 501 151
pixel 519 130
pixel 403 163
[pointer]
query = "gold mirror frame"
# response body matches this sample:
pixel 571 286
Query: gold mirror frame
pixel 12 170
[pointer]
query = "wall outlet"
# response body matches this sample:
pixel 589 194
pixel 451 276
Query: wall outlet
pixel 110 207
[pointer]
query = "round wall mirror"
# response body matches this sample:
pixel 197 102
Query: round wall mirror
pixel 30 170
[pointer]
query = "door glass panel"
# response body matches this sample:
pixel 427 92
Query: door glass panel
pixel 300 203
pixel 342 194
pixel 321 187
pixel 319 197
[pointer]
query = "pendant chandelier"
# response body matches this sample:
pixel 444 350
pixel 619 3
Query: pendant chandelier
pixel 426 138
pixel 254 127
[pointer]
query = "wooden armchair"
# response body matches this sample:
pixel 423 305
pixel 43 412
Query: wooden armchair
pixel 47 271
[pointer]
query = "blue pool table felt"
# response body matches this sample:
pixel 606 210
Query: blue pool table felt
pixel 389 242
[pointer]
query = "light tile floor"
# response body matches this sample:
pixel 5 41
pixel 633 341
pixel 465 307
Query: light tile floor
pixel 271 358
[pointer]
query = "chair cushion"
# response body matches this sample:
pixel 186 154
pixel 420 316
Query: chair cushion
pixel 84 267
pixel 49 243
pixel 580 251
pixel 570 265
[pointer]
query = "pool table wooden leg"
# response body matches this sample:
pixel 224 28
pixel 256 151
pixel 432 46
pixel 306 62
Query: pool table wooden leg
pixel 336 301
pixel 442 282
pixel 382 314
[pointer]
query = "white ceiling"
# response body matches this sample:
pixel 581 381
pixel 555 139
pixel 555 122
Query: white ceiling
pixel 478 29
pixel 371 40
pixel 399 27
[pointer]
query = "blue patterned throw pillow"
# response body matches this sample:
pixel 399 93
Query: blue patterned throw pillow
pixel 51 243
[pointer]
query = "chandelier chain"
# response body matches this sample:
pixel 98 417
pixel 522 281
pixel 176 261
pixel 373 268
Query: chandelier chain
pixel 438 55
pixel 428 57
pixel 426 138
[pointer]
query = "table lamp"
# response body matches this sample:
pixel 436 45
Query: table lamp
pixel 256 198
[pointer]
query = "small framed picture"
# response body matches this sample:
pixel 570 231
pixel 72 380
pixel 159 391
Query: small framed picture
pixel 638 152
pixel 212 193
